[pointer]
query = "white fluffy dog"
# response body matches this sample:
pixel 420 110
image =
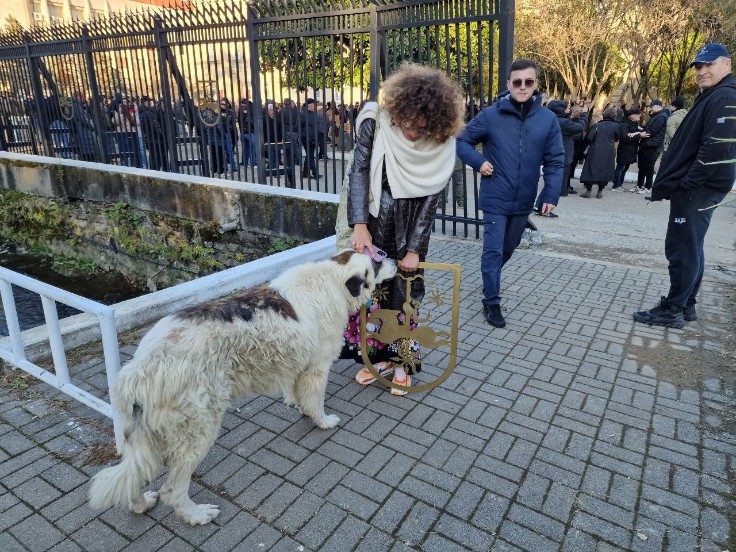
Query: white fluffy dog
pixel 174 391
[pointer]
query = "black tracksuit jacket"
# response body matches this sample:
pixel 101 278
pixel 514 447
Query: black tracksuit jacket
pixel 695 144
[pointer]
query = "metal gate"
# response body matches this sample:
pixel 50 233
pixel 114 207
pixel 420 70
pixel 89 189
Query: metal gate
pixel 188 88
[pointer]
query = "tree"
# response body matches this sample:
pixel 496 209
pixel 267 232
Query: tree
pixel 576 39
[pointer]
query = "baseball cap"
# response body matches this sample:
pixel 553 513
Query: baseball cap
pixel 633 111
pixel 709 53
pixel 655 102
pixel 678 102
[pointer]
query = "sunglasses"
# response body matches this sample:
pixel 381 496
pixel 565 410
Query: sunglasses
pixel 528 83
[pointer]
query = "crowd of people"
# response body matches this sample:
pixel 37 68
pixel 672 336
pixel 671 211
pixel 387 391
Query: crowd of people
pixel 140 131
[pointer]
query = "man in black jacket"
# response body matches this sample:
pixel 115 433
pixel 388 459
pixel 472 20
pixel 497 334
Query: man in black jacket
pixel 573 122
pixel 651 145
pixel 628 146
pixel 694 178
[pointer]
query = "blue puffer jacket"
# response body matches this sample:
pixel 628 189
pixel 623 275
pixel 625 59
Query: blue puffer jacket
pixel 516 148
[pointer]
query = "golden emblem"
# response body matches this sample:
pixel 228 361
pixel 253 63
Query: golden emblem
pixel 209 112
pixel 66 107
pixel 396 326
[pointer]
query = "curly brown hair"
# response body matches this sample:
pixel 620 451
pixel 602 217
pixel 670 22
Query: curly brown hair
pixel 417 91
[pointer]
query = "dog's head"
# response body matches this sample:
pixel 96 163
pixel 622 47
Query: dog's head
pixel 362 274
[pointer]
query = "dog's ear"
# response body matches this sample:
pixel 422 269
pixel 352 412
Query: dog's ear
pixel 355 285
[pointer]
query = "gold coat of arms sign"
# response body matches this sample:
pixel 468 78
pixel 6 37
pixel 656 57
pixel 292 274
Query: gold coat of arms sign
pixel 434 326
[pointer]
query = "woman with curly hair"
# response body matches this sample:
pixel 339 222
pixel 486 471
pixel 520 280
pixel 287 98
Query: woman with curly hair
pixel 404 156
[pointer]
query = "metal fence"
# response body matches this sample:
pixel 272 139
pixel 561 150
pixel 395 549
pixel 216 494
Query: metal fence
pixel 218 90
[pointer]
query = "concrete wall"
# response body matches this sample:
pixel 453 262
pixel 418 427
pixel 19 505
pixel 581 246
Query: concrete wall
pixel 304 215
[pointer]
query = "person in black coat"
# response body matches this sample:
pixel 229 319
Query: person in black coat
pixel 573 121
pixel 310 137
pixel 292 144
pixel 694 178
pixel 273 138
pixel 651 145
pixel 628 146
pixel 247 133
pixel 600 162
pixel 153 135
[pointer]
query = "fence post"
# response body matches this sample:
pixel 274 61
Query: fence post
pixel 376 43
pixel 96 104
pixel 162 45
pixel 255 80
pixel 37 99
pixel 505 41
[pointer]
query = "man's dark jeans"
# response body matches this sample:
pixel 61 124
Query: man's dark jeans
pixel 620 174
pixel 683 245
pixel 501 236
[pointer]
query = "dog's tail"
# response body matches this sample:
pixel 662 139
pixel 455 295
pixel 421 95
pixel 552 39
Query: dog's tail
pixel 121 485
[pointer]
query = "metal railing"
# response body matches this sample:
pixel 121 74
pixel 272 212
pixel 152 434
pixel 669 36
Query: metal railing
pixel 186 89
pixel 60 378
pixel 124 316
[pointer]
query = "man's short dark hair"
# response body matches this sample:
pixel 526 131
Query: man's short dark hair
pixel 520 65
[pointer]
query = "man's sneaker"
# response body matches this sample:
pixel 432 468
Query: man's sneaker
pixel 599 195
pixel 493 315
pixel 585 194
pixel 405 381
pixel 641 190
pixel 688 313
pixel 664 314
pixel 364 376
pixel 617 189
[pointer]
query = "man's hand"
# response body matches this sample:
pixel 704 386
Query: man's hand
pixel 644 134
pixel 486 169
pixel 547 208
pixel 410 262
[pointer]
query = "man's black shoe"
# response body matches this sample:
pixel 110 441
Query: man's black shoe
pixel 689 313
pixel 571 190
pixel 493 315
pixel 664 314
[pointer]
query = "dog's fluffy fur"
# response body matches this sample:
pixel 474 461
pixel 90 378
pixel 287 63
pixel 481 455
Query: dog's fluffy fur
pixel 174 391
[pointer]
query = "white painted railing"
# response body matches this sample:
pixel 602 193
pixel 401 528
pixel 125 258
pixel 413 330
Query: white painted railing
pixel 50 295
pixel 82 329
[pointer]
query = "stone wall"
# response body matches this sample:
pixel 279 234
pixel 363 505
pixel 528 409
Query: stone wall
pixel 156 228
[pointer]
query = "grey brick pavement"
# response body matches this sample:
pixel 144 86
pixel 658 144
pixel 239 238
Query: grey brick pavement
pixel 559 432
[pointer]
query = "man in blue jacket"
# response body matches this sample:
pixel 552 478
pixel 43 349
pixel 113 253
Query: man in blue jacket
pixel 695 176
pixel 519 136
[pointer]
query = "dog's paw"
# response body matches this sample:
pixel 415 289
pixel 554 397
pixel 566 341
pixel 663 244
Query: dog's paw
pixel 147 501
pixel 199 514
pixel 328 422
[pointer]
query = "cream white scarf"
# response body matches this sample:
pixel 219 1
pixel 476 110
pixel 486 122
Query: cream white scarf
pixel 414 169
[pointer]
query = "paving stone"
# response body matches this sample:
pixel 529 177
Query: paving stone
pixel 37 492
pixel 463 533
pixel 37 534
pixel 525 538
pixel 262 538
pixel 414 527
pixel 346 536
pixel 602 529
pixel 321 526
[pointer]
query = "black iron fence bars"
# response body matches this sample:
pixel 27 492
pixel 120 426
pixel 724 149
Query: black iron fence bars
pixel 263 90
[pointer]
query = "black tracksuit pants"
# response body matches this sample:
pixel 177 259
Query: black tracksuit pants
pixel 683 245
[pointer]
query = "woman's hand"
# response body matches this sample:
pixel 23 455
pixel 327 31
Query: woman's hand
pixel 410 262
pixel 486 169
pixel 362 238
